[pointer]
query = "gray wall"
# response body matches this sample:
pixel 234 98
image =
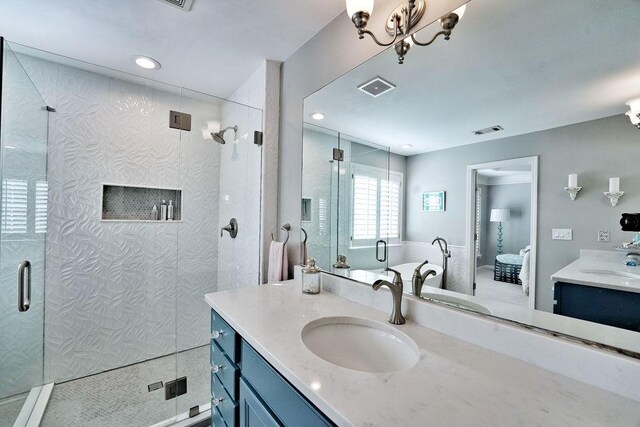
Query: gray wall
pixel 595 150
pixel 332 52
pixel 516 232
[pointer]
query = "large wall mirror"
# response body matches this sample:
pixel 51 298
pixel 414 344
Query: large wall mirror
pixel 461 169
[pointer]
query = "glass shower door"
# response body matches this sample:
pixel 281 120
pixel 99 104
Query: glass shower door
pixel 23 226
pixel 368 205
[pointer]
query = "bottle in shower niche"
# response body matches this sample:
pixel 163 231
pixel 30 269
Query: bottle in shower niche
pixel 154 213
pixel 163 210
pixel 170 211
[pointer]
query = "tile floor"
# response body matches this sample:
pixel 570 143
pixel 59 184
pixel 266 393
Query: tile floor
pixel 120 397
pixel 10 408
pixel 490 289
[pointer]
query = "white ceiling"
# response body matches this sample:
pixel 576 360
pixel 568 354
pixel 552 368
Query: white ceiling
pixel 526 65
pixel 213 49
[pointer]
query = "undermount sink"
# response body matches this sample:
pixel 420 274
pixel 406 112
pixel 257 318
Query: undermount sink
pixel 612 273
pixel 360 344
pixel 458 302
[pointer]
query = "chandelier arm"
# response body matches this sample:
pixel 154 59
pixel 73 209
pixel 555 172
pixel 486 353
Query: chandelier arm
pixel 445 33
pixel 377 41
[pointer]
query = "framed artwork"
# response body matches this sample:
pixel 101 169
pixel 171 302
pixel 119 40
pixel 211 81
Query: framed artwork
pixel 434 201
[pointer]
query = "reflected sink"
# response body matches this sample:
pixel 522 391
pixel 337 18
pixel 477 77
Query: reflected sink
pixel 360 344
pixel 458 302
pixel 612 273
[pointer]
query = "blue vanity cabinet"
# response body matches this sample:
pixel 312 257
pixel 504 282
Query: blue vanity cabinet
pixel 225 372
pixel 247 391
pixel 253 411
pixel 600 305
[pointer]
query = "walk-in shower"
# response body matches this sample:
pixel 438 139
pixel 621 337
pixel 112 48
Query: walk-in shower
pixel 117 319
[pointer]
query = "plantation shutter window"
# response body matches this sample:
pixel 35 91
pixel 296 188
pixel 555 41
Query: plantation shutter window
pixel 376 202
pixel 42 189
pixel 14 206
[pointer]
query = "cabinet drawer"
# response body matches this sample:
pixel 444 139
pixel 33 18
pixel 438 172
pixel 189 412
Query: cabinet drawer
pixel 291 408
pixel 225 336
pixel 227 371
pixel 222 402
pixel 216 418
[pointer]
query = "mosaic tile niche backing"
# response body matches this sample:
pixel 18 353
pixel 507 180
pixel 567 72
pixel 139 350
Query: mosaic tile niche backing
pixel 135 203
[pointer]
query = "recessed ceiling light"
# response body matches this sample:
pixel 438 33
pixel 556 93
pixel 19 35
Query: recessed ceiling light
pixel 317 116
pixel 147 63
pixel 406 146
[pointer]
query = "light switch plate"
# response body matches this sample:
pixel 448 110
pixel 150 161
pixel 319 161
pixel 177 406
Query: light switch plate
pixel 603 235
pixel 562 234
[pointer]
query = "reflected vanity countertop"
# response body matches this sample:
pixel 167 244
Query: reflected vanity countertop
pixel 601 269
pixel 453 381
pixel 582 329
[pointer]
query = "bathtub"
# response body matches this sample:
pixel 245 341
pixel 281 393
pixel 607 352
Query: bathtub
pixel 406 270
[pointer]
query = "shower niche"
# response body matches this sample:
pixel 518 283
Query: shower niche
pixel 135 203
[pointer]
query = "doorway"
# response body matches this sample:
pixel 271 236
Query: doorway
pixel 502 200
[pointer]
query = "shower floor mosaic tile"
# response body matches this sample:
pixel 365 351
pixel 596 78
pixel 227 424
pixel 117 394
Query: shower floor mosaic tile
pixel 120 397
pixel 10 408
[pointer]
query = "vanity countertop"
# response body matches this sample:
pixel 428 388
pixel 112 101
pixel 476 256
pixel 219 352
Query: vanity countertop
pixel 454 382
pixel 601 273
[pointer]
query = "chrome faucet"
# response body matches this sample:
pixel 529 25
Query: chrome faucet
pixel 418 279
pixel 396 317
pixel 445 258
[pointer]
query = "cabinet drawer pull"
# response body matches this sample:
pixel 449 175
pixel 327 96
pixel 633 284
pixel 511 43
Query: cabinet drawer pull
pixel 217 334
pixel 217 401
pixel 216 368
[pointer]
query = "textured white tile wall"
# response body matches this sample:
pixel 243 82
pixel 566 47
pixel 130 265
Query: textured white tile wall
pixel 116 293
pixel 240 166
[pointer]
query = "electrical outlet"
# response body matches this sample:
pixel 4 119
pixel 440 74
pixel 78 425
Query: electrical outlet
pixel 603 235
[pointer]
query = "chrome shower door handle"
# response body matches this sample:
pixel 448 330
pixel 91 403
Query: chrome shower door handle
pixel 384 254
pixel 24 286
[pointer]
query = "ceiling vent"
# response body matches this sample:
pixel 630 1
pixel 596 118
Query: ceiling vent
pixel 376 87
pixel 491 129
pixel 183 5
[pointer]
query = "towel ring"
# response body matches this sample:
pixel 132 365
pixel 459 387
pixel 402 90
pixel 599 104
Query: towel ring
pixel 305 235
pixel 286 227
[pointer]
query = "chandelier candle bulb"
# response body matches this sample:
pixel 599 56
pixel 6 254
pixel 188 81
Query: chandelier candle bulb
pixel 573 180
pixel 614 185
pixel 355 6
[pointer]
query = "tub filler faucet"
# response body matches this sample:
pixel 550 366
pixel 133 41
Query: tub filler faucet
pixel 446 254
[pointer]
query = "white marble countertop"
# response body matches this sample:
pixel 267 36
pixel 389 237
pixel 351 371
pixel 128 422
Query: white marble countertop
pixel 454 382
pixel 604 271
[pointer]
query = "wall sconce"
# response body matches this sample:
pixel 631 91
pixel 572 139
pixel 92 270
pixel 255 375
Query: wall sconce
pixel 614 192
pixel 573 188
pixel 634 112
pixel 401 20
